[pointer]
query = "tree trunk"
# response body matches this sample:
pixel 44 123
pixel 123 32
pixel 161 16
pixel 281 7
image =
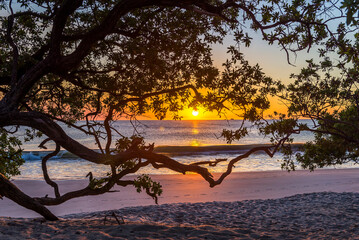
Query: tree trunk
pixel 9 190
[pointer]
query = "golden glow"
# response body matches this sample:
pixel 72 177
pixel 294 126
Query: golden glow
pixel 195 143
pixel 187 114
pixel 199 113
pixel 195 113
pixel 195 131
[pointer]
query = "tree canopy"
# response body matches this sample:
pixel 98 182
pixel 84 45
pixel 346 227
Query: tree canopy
pixel 98 61
pixel 326 92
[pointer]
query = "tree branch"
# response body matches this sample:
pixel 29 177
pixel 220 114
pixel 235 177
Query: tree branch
pixel 9 190
pixel 51 129
pixel 44 167
pixel 11 42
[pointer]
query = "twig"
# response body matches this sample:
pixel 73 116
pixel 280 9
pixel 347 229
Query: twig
pixel 210 163
pixel 113 214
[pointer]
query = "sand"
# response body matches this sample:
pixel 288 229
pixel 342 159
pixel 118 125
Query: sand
pixel 258 205
pixel 323 215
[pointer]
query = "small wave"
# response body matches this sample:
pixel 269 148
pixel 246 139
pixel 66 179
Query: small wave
pixel 167 150
pixel 204 150
pixel 39 155
pixel 31 156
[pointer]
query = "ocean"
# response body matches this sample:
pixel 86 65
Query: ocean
pixel 186 141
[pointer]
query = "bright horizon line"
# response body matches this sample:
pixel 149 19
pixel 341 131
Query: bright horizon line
pixel 191 119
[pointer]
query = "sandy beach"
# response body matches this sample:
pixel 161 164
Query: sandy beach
pixel 254 205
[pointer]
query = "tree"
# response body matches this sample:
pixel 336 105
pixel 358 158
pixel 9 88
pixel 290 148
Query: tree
pixel 63 61
pixel 327 93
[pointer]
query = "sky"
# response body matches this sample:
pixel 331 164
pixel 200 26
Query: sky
pixel 270 58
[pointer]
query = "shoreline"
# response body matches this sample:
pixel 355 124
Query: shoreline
pixel 325 215
pixel 191 189
pixel 323 204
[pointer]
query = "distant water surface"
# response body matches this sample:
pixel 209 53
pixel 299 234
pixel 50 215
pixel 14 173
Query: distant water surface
pixel 185 141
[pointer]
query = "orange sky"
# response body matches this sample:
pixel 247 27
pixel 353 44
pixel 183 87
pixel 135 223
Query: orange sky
pixel 270 58
pixel 187 114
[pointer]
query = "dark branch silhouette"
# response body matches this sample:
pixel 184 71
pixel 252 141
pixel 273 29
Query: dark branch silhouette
pixel 69 61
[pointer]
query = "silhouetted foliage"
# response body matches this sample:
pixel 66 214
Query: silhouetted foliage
pixel 327 93
pixel 98 61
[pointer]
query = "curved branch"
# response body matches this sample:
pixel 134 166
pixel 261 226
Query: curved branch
pixel 157 161
pixel 66 9
pixel 245 155
pixel 44 167
pixel 9 190
pixel 51 129
pixel 98 33
pixel 33 14
pixel 87 191
pixel 161 161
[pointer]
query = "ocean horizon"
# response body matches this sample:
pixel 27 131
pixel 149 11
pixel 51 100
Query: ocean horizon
pixel 186 141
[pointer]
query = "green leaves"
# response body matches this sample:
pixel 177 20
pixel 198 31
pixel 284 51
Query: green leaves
pixel 10 154
pixel 124 143
pixel 97 183
pixel 154 189
pixel 336 141
pixel 352 8
pixel 30 134
pixel 326 93
pixel 241 87
pixel 236 135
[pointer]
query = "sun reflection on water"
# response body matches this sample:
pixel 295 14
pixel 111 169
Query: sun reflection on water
pixel 195 131
pixel 195 143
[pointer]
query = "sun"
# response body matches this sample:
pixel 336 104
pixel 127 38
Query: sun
pixel 195 113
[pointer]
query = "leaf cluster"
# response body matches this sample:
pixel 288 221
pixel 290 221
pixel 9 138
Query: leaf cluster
pixel 152 188
pixel 97 183
pixel 10 154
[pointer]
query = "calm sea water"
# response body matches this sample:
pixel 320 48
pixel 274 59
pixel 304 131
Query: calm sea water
pixel 185 141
